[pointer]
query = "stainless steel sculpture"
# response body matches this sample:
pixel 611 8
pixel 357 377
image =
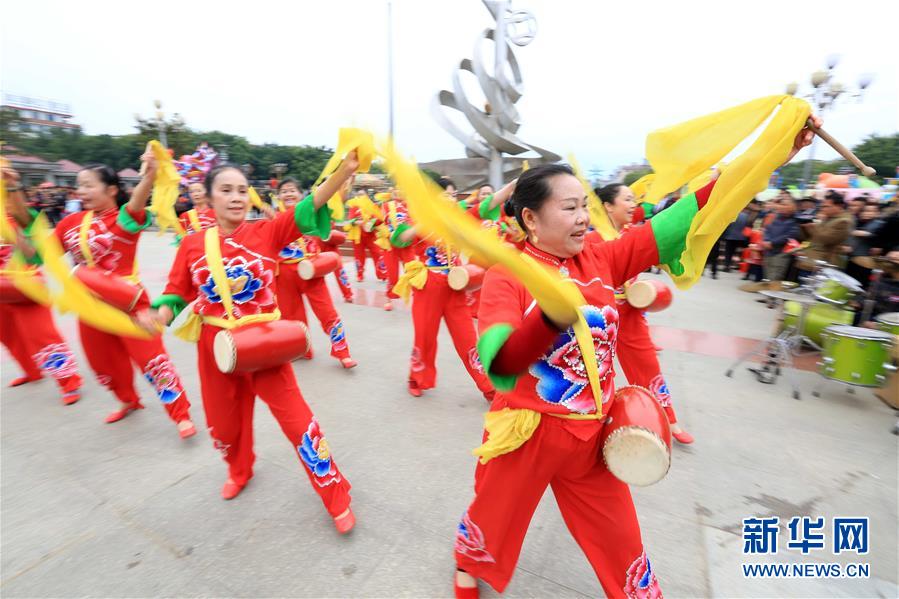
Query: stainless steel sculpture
pixel 496 125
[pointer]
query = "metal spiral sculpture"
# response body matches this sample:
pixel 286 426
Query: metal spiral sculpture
pixel 496 125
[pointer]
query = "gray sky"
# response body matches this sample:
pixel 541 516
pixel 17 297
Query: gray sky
pixel 598 77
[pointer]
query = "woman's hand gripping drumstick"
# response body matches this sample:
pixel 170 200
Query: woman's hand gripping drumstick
pixel 154 321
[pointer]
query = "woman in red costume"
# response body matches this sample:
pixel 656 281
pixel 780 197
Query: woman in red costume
pixel 536 366
pixel 636 351
pixel 27 329
pixel 292 289
pixel 104 238
pixel 249 254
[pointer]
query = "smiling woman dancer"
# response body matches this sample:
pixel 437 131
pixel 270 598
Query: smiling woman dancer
pixel 636 351
pixel 103 239
pixel 247 254
pixel 536 366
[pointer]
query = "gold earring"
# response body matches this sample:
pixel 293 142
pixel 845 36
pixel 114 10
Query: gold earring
pixel 535 239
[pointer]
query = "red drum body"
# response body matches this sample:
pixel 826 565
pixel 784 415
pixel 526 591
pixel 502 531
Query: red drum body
pixel 336 237
pixel 636 438
pixel 318 266
pixel 260 345
pixel 112 289
pixel 649 295
pixel 468 277
pixel 10 294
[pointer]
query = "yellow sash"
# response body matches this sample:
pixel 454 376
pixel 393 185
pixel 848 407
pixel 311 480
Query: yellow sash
pixel 194 220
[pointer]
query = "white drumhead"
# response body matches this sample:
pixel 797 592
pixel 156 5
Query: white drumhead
pixel 224 351
pixel 457 278
pixel 636 456
pixel 306 269
pixel 844 330
pixel 641 294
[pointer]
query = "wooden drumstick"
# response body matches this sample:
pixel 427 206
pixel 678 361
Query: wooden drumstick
pixel 841 149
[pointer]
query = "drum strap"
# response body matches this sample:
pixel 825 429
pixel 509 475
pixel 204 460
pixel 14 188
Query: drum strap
pixel 194 220
pixel 83 232
pixel 217 270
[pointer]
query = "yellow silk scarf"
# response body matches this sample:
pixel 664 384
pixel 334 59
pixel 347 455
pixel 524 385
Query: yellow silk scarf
pixel 165 190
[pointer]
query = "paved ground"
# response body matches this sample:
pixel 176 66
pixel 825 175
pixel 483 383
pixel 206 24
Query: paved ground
pixel 130 510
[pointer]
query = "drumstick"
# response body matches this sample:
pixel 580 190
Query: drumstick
pixel 841 149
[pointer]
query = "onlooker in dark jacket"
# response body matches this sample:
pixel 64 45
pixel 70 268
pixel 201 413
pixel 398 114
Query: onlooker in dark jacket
pixel 778 232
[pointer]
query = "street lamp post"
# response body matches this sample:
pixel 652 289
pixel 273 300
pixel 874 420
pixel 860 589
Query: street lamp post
pixel 824 94
pixel 160 122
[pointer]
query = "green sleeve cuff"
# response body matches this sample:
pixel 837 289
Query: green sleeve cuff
pixel 34 260
pixel 670 228
pixel 395 240
pixel 311 221
pixel 489 344
pixel 175 302
pixel 485 212
pixel 127 222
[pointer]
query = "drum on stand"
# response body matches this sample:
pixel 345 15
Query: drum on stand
pixel 856 356
pixel 649 295
pixel 837 287
pixel 318 265
pixel 820 316
pixel 636 438
pixel 260 345
pixel 888 322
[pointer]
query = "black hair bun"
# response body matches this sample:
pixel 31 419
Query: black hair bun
pixel 508 208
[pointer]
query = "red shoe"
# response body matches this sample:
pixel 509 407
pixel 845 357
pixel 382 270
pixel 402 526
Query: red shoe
pixel 657 348
pixel 465 592
pixel 231 490
pixel 118 415
pixel 308 355
pixel 24 379
pixel 683 437
pixel 70 397
pixel 186 429
pixel 388 306
pixel 414 389
pixel 348 299
pixel 348 363
pixel 345 522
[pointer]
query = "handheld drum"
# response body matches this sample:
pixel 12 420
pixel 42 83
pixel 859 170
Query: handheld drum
pixel 636 438
pixel 649 295
pixel 260 345
pixel 10 294
pixel 336 237
pixel 468 277
pixel 112 289
pixel 318 266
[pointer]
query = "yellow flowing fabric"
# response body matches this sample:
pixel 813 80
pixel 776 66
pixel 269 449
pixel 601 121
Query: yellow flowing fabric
pixel 684 152
pixel 165 190
pixel 75 297
pixel 641 186
pixel 194 220
pixel 349 139
pixel 22 275
pixel 190 330
pixel 599 218
pixel 254 198
pixel 83 235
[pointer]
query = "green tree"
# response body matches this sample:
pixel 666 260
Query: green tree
pixel 880 153
pixel 633 176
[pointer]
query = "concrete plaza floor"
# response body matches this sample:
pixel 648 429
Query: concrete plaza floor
pixel 90 509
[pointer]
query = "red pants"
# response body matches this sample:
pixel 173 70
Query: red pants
pixel 367 242
pixel 30 335
pixel 436 301
pixel 637 356
pixel 392 261
pixel 111 356
pixel 228 400
pixel 343 281
pixel 596 507
pixel 291 289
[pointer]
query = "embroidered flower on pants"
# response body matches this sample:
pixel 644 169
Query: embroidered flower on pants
pixel 470 541
pixel 640 581
pixel 161 373
pixel 316 454
pixel 56 360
